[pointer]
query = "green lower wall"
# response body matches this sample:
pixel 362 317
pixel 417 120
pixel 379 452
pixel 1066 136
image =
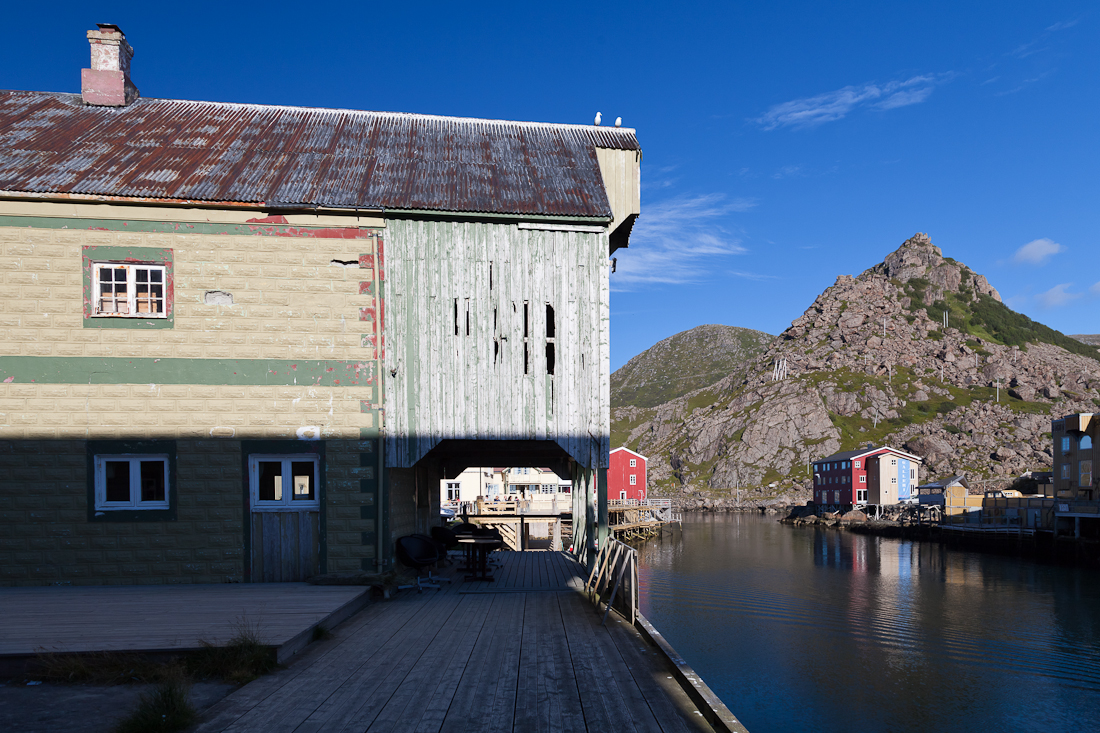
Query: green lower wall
pixel 47 536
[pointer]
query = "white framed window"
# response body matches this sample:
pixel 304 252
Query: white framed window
pixel 548 488
pixel 131 481
pixel 894 480
pixel 129 291
pixel 284 483
pixel 912 473
pixel 622 496
pixel 861 495
pixel 633 462
pixel 633 480
pixel 893 461
pixel 565 488
pixel 454 490
pixel 857 464
pixel 863 479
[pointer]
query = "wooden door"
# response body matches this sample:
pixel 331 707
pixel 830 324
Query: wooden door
pixel 285 517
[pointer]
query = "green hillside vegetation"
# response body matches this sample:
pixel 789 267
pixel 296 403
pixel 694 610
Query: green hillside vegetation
pixel 683 363
pixel 988 319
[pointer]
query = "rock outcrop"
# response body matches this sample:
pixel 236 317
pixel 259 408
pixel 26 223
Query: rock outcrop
pixel 870 361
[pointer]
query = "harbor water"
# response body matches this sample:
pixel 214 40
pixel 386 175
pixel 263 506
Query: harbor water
pixel 811 629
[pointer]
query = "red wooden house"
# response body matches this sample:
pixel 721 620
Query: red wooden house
pixel 870 475
pixel 626 477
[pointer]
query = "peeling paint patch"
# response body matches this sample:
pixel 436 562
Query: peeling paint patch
pixel 308 432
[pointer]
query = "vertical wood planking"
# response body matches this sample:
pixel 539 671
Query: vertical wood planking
pixel 306 541
pixel 272 561
pixel 288 546
pixel 451 386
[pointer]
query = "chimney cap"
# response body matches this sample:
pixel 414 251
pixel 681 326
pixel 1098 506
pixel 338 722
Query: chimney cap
pixel 110 28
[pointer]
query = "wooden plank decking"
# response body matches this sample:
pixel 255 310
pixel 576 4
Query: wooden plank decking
pixel 164 617
pixel 525 653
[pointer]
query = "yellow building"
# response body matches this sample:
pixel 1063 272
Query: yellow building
pixel 244 342
pixel 1076 509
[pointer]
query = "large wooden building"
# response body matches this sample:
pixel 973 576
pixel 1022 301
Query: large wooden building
pixel 245 342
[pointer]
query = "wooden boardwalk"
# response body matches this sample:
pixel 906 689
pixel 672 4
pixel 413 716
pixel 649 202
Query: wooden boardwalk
pixel 525 653
pixel 166 617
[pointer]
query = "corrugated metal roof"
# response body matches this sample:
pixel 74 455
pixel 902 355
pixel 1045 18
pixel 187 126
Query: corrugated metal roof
pixel 296 156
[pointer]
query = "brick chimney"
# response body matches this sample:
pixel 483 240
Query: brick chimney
pixel 107 83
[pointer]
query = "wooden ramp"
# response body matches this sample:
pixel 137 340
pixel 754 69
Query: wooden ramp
pixel 156 618
pixel 525 653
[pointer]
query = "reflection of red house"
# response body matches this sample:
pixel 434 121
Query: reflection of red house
pixel 626 478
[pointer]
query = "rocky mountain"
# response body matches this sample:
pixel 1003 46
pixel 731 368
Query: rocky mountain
pixel 684 363
pixel 871 361
pixel 1092 339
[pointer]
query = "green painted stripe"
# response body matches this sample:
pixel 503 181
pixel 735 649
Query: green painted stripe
pixel 119 370
pixel 189 227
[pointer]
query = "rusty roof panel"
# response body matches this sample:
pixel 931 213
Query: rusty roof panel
pixel 292 156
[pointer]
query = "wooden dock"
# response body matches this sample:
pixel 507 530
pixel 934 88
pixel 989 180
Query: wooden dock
pixel 524 653
pixel 166 618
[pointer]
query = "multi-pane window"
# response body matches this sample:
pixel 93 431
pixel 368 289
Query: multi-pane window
pixel 633 462
pixel 453 490
pixel 857 464
pixel 283 483
pixel 1085 473
pixel 136 291
pixel 863 479
pixel 1066 443
pixel 1065 470
pixel 131 481
pixel 633 480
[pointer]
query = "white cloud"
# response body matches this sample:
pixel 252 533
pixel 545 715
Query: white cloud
pixel 905 98
pixel 1057 296
pixel 788 171
pixel 679 240
pixel 1095 289
pixel 1062 25
pixel 1037 252
pixel 830 106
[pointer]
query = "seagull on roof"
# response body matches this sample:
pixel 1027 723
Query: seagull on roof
pixel 618 122
pixel 598 118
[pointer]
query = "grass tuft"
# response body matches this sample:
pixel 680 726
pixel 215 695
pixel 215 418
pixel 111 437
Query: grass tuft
pixel 105 668
pixel 242 660
pixel 164 710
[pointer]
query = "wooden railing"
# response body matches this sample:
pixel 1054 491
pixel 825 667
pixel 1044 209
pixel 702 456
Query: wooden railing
pixel 615 574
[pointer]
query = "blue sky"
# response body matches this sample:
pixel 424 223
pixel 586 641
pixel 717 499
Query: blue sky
pixel 785 143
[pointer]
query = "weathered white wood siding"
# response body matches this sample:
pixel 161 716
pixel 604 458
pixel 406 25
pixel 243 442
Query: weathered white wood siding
pixel 441 385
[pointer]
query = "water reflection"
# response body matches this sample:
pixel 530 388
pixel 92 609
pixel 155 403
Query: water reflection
pixel 813 629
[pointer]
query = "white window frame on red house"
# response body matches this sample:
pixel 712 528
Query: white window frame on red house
pixel 863 479
pixel 633 462
pixel 134 461
pixel 286 501
pixel 633 480
pixel 857 464
pixel 129 306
